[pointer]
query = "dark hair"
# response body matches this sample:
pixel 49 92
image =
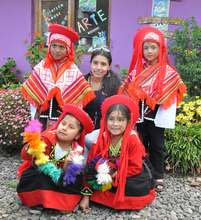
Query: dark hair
pixel 119 107
pixel 111 81
pixel 103 52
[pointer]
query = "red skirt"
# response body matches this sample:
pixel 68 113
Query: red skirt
pixel 129 203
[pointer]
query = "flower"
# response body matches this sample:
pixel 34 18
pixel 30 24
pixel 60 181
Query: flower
pixel 190 112
pixel 14 115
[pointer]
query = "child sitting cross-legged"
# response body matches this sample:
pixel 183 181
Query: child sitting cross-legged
pixel 51 174
pixel 117 174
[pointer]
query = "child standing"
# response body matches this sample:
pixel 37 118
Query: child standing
pixel 56 80
pixel 53 161
pixel 116 172
pixel 159 89
pixel 103 81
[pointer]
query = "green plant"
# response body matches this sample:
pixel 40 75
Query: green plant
pixel 184 148
pixel 8 78
pixel 14 114
pixel 184 142
pixel 78 53
pixel 124 72
pixel 186 46
pixel 36 51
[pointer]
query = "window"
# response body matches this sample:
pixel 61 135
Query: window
pixel 90 18
pixel 91 23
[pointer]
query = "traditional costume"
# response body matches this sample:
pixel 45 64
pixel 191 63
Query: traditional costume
pixel 159 89
pixel 43 178
pixel 53 83
pixel 132 187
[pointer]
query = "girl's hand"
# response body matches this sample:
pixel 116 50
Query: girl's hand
pixel 67 160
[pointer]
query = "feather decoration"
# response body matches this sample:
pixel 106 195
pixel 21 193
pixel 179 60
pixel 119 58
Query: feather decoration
pixel 106 187
pixel 103 170
pixel 94 185
pixel 51 170
pixel 71 172
pixel 98 174
pixel 32 136
pixel 34 126
pixel 74 168
pixel 103 178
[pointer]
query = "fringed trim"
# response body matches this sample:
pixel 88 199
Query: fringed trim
pixel 55 92
pixel 88 98
pixel 179 94
pixel 123 89
pixel 51 170
pixel 29 98
pixel 137 93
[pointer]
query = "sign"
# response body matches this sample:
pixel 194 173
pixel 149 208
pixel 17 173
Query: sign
pixel 160 8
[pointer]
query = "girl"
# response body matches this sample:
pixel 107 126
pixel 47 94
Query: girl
pixel 158 88
pixel 116 173
pixel 103 81
pixel 56 80
pixel 51 173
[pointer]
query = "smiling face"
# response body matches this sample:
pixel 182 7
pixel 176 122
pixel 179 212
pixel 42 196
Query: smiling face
pixel 116 123
pixel 58 50
pixel 68 130
pixel 150 52
pixel 99 66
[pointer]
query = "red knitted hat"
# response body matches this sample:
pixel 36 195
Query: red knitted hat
pixel 64 35
pixel 124 100
pixel 66 31
pixel 81 116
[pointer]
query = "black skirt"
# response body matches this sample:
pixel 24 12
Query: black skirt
pixel 36 188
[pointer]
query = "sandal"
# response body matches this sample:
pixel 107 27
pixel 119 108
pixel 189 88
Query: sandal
pixel 159 185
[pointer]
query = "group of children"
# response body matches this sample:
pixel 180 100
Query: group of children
pixel 125 162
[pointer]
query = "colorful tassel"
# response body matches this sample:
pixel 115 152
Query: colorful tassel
pixel 71 172
pixel 51 170
pixel 32 136
pixel 74 168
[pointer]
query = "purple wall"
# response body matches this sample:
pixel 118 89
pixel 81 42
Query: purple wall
pixel 123 25
pixel 16 21
pixel 124 17
pixel 186 9
pixel 16 30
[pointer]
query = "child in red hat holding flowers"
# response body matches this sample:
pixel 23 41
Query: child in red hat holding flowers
pixel 159 89
pixel 51 174
pixel 117 174
pixel 56 80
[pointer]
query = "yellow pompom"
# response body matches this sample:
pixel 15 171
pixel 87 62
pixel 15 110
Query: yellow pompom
pixel 42 159
pixel 106 187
